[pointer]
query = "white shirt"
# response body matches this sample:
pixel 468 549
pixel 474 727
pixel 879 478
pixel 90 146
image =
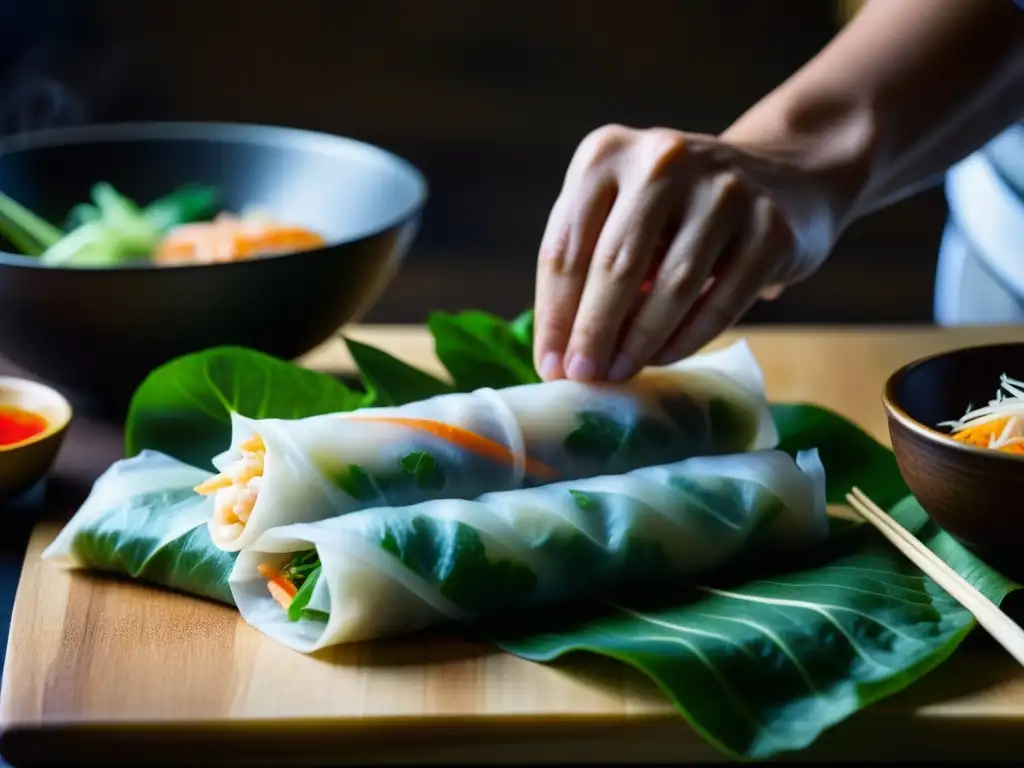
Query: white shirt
pixel 980 276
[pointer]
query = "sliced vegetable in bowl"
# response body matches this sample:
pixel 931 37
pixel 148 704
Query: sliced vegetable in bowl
pixel 26 231
pixel 186 226
pixel 998 425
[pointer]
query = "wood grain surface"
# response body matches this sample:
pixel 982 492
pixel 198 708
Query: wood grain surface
pixel 110 672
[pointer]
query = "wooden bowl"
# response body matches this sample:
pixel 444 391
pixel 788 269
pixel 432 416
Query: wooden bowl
pixel 24 464
pixel 973 493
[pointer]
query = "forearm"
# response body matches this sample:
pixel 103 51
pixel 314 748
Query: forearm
pixel 906 90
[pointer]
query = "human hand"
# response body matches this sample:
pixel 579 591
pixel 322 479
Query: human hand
pixel 660 241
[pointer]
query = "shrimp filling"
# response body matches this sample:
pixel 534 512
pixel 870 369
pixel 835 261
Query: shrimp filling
pixel 233 238
pixel 236 489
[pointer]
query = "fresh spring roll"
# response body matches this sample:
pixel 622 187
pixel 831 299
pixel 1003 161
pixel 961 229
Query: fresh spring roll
pixel 386 571
pixel 278 472
pixel 143 519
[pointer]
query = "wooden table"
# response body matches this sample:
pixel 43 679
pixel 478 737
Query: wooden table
pixel 117 672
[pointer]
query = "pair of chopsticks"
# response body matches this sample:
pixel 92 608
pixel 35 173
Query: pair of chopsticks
pixel 1004 629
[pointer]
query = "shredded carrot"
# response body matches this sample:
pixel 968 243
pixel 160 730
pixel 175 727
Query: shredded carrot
pixel 982 436
pixel 281 589
pixel 997 425
pixel 281 597
pixel 230 238
pixel 463 438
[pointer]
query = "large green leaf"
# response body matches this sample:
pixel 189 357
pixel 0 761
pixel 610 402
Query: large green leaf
pixel 389 380
pixel 850 455
pixel 521 328
pixel 980 575
pixel 183 408
pixel 481 350
pixel 765 667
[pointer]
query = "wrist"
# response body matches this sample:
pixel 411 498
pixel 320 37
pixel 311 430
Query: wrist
pixel 828 142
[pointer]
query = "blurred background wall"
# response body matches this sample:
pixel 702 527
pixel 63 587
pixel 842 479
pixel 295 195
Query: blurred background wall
pixel 488 98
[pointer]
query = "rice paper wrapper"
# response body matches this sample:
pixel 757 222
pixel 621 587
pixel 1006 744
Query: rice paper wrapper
pixel 462 445
pixel 393 570
pixel 143 520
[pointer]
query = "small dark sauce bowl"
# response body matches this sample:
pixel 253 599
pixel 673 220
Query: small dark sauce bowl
pixel 96 333
pixel 973 493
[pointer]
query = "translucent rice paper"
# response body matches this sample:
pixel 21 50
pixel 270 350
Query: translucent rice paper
pixel 148 473
pixel 143 520
pixel 393 570
pixel 324 466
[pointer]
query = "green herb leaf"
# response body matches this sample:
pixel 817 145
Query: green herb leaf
pixel 187 204
pixel 301 566
pixel 313 614
pixel 600 436
pixel 583 501
pixel 450 556
pixel 521 329
pixel 356 482
pixel 424 470
pixel 481 350
pixel 415 470
pixel 391 381
pixel 597 435
pixel 302 597
pixel 183 407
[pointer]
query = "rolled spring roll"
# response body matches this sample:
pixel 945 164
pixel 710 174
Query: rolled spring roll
pixel 387 571
pixel 278 472
pixel 143 519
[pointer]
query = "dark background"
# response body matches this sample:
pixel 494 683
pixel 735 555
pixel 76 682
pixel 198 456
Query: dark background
pixel 488 98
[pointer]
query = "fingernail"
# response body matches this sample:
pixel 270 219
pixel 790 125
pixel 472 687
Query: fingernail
pixel 550 366
pixel 581 368
pixel 621 369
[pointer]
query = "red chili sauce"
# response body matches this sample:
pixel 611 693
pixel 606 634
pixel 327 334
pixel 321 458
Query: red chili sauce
pixel 17 425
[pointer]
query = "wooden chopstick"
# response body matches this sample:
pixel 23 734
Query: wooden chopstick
pixel 989 615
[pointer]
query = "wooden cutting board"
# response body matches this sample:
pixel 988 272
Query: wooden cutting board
pixel 112 672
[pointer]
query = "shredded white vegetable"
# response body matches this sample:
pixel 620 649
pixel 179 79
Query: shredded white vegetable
pixel 1009 401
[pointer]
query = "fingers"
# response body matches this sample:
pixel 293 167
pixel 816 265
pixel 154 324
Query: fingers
pixel 757 260
pixel 561 274
pixel 649 192
pixel 714 214
pixel 594 292
pixel 617 270
pixel 572 232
